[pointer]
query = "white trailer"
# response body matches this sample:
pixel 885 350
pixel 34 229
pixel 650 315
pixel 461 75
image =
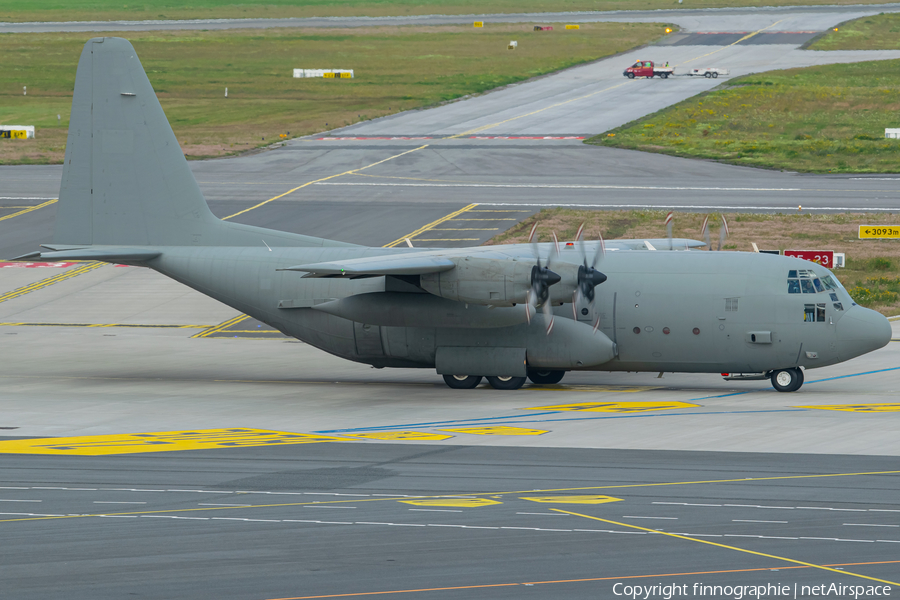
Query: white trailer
pixel 708 72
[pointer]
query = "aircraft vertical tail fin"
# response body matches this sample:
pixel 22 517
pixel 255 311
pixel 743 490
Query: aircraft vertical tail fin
pixel 125 178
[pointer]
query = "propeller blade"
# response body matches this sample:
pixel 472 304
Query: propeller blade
pixel 528 295
pixel 531 233
pixel 580 231
pixel 555 244
pixel 669 218
pixel 723 233
pixel 548 316
pixel 575 300
pixel 596 325
pixel 601 251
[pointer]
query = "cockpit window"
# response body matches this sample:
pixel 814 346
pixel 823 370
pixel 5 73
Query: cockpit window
pixel 807 281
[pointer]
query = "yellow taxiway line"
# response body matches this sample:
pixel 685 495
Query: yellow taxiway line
pixel 727 547
pixel 308 183
pixel 28 210
pixel 38 285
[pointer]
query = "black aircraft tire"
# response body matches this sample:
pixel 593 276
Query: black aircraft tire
pixel 462 382
pixel 787 380
pixel 545 376
pixel 506 383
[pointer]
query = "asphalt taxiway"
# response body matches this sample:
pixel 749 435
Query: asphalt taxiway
pixel 158 444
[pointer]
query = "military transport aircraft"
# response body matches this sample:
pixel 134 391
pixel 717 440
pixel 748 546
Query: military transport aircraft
pixel 501 312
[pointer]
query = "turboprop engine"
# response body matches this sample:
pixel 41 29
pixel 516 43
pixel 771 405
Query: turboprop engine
pixel 500 282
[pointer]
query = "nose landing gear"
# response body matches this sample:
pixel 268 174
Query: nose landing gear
pixel 787 380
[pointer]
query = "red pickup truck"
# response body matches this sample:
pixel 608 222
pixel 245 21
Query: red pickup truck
pixel 646 68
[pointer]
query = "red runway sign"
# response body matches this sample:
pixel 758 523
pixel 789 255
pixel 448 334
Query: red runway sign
pixel 821 257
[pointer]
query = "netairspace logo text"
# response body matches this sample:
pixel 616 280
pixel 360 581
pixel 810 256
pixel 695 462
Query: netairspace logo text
pixel 739 592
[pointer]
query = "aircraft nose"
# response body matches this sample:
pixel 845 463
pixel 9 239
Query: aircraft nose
pixel 860 331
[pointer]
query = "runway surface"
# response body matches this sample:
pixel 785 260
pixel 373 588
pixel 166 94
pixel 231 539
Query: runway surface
pixel 159 444
pixel 412 521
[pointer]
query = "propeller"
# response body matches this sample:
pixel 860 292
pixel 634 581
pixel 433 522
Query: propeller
pixel 541 280
pixel 669 227
pixel 704 231
pixel 723 232
pixel 588 275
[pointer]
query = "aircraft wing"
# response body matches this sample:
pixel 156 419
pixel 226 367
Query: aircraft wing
pixel 410 264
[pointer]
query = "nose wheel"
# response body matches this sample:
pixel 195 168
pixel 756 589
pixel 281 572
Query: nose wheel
pixel 787 380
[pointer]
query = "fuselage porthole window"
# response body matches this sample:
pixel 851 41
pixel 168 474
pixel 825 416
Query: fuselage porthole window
pixel 809 313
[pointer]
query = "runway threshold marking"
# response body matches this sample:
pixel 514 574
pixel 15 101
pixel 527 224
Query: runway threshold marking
pixel 583 580
pixel 746 37
pixel 39 285
pixel 727 547
pixel 308 183
pixel 28 210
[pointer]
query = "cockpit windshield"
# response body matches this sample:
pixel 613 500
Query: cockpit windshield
pixel 807 281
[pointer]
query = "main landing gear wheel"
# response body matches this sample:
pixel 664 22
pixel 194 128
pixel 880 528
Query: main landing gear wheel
pixel 462 382
pixel 787 380
pixel 506 383
pixel 545 376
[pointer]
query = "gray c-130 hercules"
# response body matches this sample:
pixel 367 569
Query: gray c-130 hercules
pixel 128 197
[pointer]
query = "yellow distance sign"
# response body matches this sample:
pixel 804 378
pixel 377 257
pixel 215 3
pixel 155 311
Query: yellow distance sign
pixel 399 435
pixel 879 232
pixel 161 441
pixel 616 407
pixel 478 24
pixel 498 430
pixel 863 408
pixel 573 27
pixel 572 499
pixel 452 502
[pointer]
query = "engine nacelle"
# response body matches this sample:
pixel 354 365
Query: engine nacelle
pixel 496 282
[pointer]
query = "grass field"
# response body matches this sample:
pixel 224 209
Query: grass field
pixel 872 275
pixel 819 119
pixel 396 68
pixel 878 32
pixel 105 10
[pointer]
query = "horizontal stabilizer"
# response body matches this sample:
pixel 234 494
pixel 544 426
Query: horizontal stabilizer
pixel 113 254
pixel 408 264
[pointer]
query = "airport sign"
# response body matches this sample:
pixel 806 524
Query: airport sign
pixel 820 257
pixel 879 232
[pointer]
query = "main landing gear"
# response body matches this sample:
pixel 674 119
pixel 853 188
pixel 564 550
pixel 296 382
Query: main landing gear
pixel 787 380
pixel 539 376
